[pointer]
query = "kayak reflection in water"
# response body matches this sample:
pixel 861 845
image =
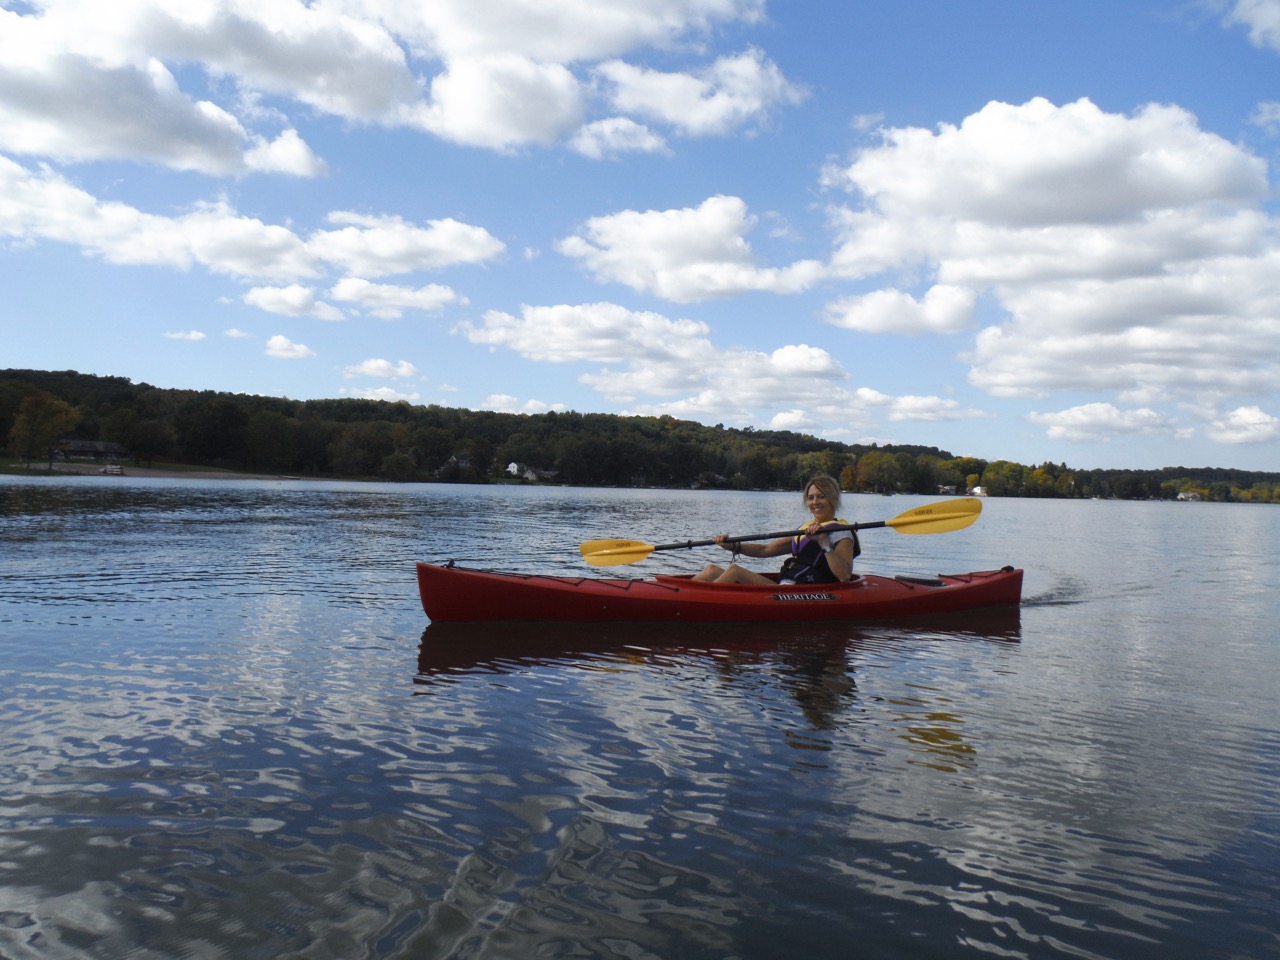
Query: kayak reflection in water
pixel 818 556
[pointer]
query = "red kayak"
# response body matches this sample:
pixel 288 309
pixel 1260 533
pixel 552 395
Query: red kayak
pixel 452 593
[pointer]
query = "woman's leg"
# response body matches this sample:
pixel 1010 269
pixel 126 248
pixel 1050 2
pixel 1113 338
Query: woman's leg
pixel 710 572
pixel 737 574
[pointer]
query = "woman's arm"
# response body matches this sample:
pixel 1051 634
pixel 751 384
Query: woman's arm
pixel 774 548
pixel 840 559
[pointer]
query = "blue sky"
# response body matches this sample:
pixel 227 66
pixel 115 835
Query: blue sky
pixel 1011 230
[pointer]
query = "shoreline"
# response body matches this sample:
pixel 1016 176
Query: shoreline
pixel 136 472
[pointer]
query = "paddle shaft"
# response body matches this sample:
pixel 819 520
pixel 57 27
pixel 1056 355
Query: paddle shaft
pixel 932 518
pixel 690 544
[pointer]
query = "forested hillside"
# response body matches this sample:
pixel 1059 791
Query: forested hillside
pixel 41 411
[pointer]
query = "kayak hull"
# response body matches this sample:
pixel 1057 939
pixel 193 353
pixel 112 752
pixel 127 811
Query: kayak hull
pixel 455 594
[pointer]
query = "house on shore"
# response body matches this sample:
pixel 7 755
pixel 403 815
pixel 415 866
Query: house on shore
pixel 532 474
pixel 99 451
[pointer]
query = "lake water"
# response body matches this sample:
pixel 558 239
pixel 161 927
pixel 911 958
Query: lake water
pixel 228 731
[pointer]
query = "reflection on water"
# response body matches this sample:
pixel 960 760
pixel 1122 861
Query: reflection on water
pixel 461 647
pixel 225 733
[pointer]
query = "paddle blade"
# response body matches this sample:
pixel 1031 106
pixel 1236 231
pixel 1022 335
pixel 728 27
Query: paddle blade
pixel 612 553
pixel 941 517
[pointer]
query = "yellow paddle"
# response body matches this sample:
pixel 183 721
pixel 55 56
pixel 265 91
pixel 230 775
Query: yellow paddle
pixel 941 517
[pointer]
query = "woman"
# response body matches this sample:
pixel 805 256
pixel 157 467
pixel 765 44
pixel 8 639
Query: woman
pixel 817 556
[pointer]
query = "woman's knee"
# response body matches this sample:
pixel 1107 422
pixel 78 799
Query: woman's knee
pixel 710 572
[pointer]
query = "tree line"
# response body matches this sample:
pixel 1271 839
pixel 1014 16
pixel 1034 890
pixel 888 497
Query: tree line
pixel 42 411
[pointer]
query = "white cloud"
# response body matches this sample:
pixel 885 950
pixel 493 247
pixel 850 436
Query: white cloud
pixel 683 255
pixel 340 62
pixel 1041 165
pixel 1267 116
pixel 944 309
pixel 502 101
pixel 1092 422
pixel 182 84
pixel 112 56
pixel 47 206
pixel 84 80
pixel 795 421
pixel 71 109
pixel 930 410
pixel 294 300
pixel 598 332
pixel 614 136
pixel 285 154
pixel 283 348
pixel 390 302
pixel 185 335
pixel 1208 329
pixel 505 403
pixel 508 75
pixel 731 92
pixel 563 31
pixel 1246 425
pixel 381 368
pixel 657 366
pixel 1128 255
pixel 1261 17
pixel 235 333
pixel 387 394
pixel 375 246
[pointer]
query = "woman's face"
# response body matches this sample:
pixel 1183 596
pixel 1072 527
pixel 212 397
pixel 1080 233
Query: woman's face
pixel 819 505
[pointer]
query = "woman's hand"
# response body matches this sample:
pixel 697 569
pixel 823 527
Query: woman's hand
pixel 812 529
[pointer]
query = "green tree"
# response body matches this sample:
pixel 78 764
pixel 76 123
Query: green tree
pixel 969 469
pixel 399 465
pixel 361 448
pixel 41 422
pixel 1260 493
pixel 314 438
pixel 433 445
pixel 271 440
pixel 1130 486
pixel 118 425
pixel 927 473
pixel 149 439
pixel 946 475
pixel 1039 483
pixel 1003 478
pixel 211 429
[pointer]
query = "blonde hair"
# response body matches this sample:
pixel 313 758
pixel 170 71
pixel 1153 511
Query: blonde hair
pixel 830 489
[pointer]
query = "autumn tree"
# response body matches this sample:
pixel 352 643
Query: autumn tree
pixel 878 472
pixel 41 422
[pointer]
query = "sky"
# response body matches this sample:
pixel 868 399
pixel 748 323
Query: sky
pixel 1023 231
